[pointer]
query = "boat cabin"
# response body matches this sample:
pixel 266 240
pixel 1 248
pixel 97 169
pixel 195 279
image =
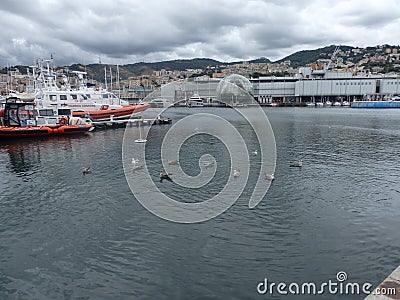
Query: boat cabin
pixel 18 113
pixel 51 116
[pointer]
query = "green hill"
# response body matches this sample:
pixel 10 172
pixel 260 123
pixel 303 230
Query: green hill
pixel 298 59
pixel 304 57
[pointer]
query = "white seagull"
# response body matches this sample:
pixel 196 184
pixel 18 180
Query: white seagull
pixel 138 167
pixel 298 163
pixel 269 176
pixel 209 164
pixel 173 162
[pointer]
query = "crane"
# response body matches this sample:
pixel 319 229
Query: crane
pixel 332 57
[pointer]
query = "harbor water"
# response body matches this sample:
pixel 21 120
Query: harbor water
pixel 65 235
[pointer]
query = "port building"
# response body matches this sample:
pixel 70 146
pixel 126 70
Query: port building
pixel 316 84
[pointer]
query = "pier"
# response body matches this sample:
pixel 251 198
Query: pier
pixel 389 289
pixel 131 122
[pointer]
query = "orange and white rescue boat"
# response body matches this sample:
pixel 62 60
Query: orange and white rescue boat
pixel 20 119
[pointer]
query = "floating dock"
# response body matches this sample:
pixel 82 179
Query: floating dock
pixel 389 289
pixel 131 122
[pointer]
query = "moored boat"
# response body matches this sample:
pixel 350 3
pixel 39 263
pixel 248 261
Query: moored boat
pixel 123 112
pixel 20 119
pixel 195 101
pixel 100 104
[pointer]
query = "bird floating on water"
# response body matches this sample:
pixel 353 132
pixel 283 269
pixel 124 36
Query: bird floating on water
pixel 173 162
pixel 86 170
pixel 269 176
pixel 164 175
pixel 255 152
pixel 298 163
pixel 209 164
pixel 236 173
pixel 138 167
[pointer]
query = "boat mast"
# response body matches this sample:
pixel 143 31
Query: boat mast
pixel 118 87
pixel 105 76
pixel 110 80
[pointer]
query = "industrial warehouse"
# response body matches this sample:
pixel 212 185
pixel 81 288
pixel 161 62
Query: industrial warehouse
pixel 316 84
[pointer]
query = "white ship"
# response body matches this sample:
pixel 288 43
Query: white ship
pixel 195 101
pixel 82 100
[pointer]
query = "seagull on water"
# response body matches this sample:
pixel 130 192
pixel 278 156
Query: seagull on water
pixel 269 176
pixel 298 163
pixel 209 164
pixel 164 175
pixel 138 167
pixel 173 162
pixel 86 170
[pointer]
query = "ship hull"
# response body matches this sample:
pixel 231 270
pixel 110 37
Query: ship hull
pixel 124 112
pixel 41 131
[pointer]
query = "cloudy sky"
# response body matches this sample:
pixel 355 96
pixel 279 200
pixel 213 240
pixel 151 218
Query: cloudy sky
pixel 129 31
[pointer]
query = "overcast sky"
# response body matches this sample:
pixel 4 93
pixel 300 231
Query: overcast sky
pixel 123 31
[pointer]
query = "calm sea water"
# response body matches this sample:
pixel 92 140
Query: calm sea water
pixel 68 236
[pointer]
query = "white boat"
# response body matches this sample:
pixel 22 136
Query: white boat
pixel 319 104
pixel 239 105
pixel 195 101
pixel 160 103
pixel 310 104
pixel 346 103
pixel 101 105
pixel 97 95
pixel 337 103
pixel 328 103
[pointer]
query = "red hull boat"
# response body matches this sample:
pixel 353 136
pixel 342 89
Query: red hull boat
pixel 19 119
pixel 123 112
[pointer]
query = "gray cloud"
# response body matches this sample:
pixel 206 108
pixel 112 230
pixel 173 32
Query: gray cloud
pixel 126 31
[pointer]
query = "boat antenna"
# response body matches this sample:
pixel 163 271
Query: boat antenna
pixel 110 79
pixel 118 87
pixel 105 76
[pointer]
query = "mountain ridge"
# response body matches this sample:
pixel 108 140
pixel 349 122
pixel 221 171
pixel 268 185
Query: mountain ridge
pixel 297 59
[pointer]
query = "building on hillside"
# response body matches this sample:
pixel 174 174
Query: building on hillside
pixel 320 85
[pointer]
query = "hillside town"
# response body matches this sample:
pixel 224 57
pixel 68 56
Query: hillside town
pixel 381 59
